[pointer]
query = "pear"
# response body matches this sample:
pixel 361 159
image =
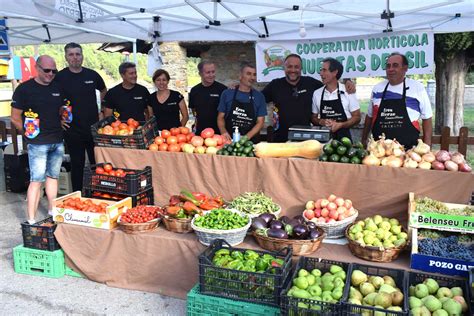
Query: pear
pixel 411 290
pixel 420 311
pixel 387 288
pixel 395 308
pixel 394 222
pixel 432 303
pixel 369 299
pixel 432 285
pixel 421 290
pixel 358 277
pixel 335 268
pixel 377 219
pixel 397 298
pixel 354 293
pixel 383 299
pixel 316 272
pixel 440 312
pixel 397 229
pixel 311 279
pixel 461 301
pixel 403 235
pixel 371 226
pixel 355 301
pixel 444 292
pixel 453 307
pixel 385 226
pixel 457 291
pixel 379 313
pixel 366 288
pixel 376 281
pixel 389 280
pixel 414 301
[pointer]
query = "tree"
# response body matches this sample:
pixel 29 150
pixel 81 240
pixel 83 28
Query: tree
pixel 454 55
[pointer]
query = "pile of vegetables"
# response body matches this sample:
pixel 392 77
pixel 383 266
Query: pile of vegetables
pixel 310 149
pixel 343 151
pixel 427 205
pixel 445 160
pixel 221 219
pixel 187 204
pixel 285 228
pixel 243 148
pixel 254 203
pixel 247 260
pixel 141 214
pixel 384 152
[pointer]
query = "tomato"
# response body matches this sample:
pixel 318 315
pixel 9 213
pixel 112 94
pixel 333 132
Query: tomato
pixel 112 173
pixel 153 147
pixel 116 129
pixel 120 173
pixel 159 140
pixel 123 126
pixel 108 167
pixel 131 122
pixel 106 195
pixel 99 170
pixel 181 146
pixel 184 130
pixel 174 131
pixel 189 137
pixel 172 140
pixel 136 124
pixel 174 148
pixel 207 132
pixel 181 138
pixel 116 123
pixel 130 129
pixel 163 147
pixel 165 133
pixel 108 130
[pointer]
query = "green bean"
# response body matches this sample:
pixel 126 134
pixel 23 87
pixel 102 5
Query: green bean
pixel 254 203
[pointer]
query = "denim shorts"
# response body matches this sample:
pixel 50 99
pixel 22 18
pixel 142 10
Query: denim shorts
pixel 45 161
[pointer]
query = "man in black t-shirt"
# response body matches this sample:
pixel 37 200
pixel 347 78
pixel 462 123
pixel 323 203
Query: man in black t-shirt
pixel 127 99
pixel 204 97
pixel 79 85
pixel 36 113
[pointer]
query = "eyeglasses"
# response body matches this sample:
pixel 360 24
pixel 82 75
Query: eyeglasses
pixel 47 70
pixel 294 92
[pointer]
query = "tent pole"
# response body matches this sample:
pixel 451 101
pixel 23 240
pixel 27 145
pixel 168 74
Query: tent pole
pixel 135 51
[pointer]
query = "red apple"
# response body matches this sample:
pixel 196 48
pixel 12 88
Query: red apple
pixel 348 204
pixel 339 201
pixel 333 214
pixel 309 214
pixel 324 203
pixel 210 142
pixel 317 212
pixel 332 198
pixel 317 204
pixel 322 220
pixel 324 212
pixel 341 210
pixel 341 217
pixel 332 206
pixel 309 205
pixel 330 220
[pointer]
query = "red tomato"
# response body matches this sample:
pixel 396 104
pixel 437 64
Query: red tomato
pixel 120 173
pixel 108 167
pixel 116 123
pixel 174 131
pixel 112 173
pixel 184 130
pixel 131 122
pixel 153 147
pixel 123 126
pixel 181 138
pixel 189 136
pixel 174 148
pixel 165 133
pixel 207 132
pixel 172 140
pixel 99 170
pixel 163 147
pixel 159 140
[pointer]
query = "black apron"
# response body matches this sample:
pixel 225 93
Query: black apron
pixel 333 109
pixel 241 115
pixel 395 123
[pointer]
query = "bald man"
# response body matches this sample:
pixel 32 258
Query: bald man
pixel 36 113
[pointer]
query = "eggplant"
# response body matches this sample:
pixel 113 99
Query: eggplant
pixel 300 231
pixel 276 224
pixel 284 219
pixel 258 223
pixel 313 234
pixel 267 217
pixel 277 233
pixel 311 225
pixel 293 223
pixel 299 218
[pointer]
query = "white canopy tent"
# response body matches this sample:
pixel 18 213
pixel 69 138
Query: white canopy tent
pixel 234 20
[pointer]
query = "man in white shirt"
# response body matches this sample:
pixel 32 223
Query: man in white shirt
pixel 397 105
pixel 332 105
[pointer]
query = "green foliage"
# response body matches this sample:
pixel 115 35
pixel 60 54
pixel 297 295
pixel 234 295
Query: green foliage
pixel 447 45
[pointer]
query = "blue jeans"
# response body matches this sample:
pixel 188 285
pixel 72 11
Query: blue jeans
pixel 45 161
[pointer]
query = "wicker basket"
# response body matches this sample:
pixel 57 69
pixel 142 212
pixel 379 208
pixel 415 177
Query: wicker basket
pixel 300 247
pixel 336 229
pixel 177 225
pixel 371 253
pixel 137 228
pixel 231 236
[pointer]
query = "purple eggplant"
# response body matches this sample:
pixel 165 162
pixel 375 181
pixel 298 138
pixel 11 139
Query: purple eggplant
pixel 311 225
pixel 299 218
pixel 300 231
pixel 313 234
pixel 277 233
pixel 284 219
pixel 258 223
pixel 276 224
pixel 267 217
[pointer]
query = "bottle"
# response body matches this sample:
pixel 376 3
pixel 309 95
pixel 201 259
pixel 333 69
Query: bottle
pixel 67 113
pixel 236 135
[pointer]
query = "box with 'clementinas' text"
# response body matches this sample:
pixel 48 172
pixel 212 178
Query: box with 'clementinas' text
pixel 74 209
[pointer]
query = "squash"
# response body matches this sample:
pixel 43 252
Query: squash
pixel 310 149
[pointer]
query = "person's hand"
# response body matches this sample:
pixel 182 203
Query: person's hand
pixel 350 87
pixel 335 126
pixel 226 136
pixel 65 126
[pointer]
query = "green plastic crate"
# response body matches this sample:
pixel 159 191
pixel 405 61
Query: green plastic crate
pixel 199 304
pixel 71 272
pixel 39 262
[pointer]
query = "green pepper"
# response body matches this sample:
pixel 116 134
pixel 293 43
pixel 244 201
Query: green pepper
pixel 237 255
pixel 251 263
pixel 222 261
pixel 239 266
pixel 234 264
pixel 250 254
pixel 222 252
pixel 181 214
pixel 277 263
pixel 261 264
pixel 268 258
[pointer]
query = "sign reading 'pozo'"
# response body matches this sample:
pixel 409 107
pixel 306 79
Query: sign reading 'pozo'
pixel 361 56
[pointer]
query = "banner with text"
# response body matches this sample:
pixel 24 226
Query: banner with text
pixel 361 56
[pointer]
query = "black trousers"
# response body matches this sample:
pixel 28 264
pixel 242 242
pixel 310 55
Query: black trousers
pixel 78 145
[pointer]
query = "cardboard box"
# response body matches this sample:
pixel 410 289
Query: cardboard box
pixel 106 220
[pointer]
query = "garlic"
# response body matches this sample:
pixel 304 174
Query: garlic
pixel 422 148
pixel 410 163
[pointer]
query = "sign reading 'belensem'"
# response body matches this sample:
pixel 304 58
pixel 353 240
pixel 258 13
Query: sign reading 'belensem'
pixel 361 56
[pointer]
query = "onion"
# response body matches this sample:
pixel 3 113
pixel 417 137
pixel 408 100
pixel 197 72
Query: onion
pixel 429 157
pixel 394 162
pixel 398 152
pixel 443 156
pixel 414 156
pixel 371 160
pixel 410 163
pixel 451 165
pixel 422 148
pixel 464 167
pixel 457 157
pixel 424 165
pixel 437 165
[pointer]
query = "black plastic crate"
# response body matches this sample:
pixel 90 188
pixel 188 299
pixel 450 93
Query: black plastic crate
pixel 41 237
pixel 293 305
pixel 143 198
pixel 399 277
pixel 254 287
pixel 416 277
pixel 17 172
pixel 471 287
pixel 142 137
pixel 137 182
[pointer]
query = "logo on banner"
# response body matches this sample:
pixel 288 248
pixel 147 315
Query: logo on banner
pixel 31 125
pixel 274 58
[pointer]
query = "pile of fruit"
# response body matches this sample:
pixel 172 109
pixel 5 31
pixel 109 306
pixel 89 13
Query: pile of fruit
pixel 243 148
pixel 247 260
pixel 377 291
pixel 119 128
pixel 187 204
pixel 181 139
pixel 85 205
pixel 141 214
pixel 221 219
pixel 285 228
pixel 425 204
pixel 428 298
pixel 327 287
pixel 328 210
pixel 446 247
pixel 378 231
pixel 435 234
pixel 254 203
pixel 343 151
pixel 108 170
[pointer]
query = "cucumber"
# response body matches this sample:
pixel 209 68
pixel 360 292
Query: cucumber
pixel 351 152
pixel 361 153
pixel 328 150
pixel 334 158
pixel 346 141
pixel 335 143
pixel 345 159
pixel 356 160
pixel 324 157
pixel 341 150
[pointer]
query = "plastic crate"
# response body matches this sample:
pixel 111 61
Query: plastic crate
pixel 38 262
pixel 40 237
pixel 259 288
pixel 131 184
pixel 414 278
pixel 199 304
pixel 71 272
pixel 144 198
pixel 142 137
pixel 291 305
pixel 399 277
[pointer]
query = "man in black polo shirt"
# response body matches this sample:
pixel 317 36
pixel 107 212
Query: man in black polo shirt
pixel 127 99
pixel 79 85
pixel 204 97
pixel 292 97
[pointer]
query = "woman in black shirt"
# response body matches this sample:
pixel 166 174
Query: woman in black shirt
pixel 167 104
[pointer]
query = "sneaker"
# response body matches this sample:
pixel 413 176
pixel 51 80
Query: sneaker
pixel 31 221
pixel 50 212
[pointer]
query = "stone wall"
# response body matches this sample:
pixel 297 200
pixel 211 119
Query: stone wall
pixel 174 57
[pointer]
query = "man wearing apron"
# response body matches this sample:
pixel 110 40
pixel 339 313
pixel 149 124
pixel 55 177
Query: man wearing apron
pixel 242 107
pixel 397 105
pixel 332 105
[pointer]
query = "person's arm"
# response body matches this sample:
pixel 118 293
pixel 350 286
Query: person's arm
pixel 355 119
pixel 108 112
pixel 256 129
pixel 427 126
pixel 367 128
pixel 221 126
pixel 184 112
pixel 16 119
